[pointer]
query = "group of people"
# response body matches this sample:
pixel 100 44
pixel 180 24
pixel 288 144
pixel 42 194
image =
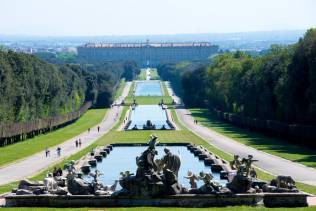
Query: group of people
pixel 195 121
pixel 89 129
pixel 58 151
pixel 78 142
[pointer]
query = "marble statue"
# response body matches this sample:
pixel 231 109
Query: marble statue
pixel 170 161
pixel 192 179
pixel 236 163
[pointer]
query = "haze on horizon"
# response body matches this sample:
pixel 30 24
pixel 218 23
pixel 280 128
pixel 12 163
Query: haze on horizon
pixel 119 17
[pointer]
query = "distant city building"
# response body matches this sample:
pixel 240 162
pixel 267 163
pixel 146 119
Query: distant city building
pixel 147 53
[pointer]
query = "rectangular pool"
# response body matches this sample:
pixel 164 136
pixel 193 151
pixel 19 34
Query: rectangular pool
pixel 148 88
pixel 154 113
pixel 123 158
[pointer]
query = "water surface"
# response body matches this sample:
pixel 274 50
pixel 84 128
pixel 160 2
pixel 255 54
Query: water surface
pixel 123 158
pixel 154 113
pixel 148 88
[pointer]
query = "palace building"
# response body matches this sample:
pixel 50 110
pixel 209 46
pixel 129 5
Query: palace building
pixel 147 53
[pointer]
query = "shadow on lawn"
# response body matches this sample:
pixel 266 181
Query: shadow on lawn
pixel 257 140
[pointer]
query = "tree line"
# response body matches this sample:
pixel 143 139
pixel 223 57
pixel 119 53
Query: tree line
pixel 279 85
pixel 32 89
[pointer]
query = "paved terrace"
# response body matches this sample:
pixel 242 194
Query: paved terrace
pixel 38 162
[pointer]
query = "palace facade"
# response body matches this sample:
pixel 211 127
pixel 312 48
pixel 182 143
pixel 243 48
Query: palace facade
pixel 147 53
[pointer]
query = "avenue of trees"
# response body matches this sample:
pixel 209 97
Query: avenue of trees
pixel 38 94
pixel 278 86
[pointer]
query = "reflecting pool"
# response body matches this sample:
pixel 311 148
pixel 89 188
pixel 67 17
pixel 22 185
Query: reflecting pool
pixel 123 158
pixel 148 88
pixel 142 113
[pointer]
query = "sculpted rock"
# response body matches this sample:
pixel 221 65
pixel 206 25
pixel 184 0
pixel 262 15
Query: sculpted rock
pixel 240 184
pixel 24 184
pixel 61 191
pixel 78 186
pixel 281 184
pixel 23 192
pixel 31 186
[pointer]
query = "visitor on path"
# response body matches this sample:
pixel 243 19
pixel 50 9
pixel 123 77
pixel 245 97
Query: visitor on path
pixel 58 151
pixel 88 130
pixel 47 152
pixel 98 129
pixel 77 143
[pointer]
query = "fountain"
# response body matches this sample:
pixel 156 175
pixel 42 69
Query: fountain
pixel 156 183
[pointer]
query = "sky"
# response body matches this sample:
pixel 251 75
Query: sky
pixel 146 17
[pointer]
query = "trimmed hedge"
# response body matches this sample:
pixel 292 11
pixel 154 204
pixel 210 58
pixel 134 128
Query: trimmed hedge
pixel 299 134
pixel 15 132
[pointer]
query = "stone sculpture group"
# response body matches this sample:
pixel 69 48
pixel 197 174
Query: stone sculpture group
pixel 153 177
pixel 157 177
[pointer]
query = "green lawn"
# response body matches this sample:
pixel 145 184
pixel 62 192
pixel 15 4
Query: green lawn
pixel 151 100
pixel 28 147
pixel 142 74
pixel 120 89
pixel 165 91
pixel 154 74
pixel 271 145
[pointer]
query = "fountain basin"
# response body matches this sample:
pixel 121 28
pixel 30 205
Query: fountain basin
pixel 181 200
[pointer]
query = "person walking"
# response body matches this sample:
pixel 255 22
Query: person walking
pixel 79 142
pixel 58 151
pixel 47 152
pixel 88 130
pixel 98 129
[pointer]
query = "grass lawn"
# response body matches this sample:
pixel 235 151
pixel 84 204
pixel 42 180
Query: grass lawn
pixel 28 147
pixel 142 74
pixel 120 89
pixel 239 208
pixel 164 86
pixel 144 100
pixel 271 145
pixel 153 73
